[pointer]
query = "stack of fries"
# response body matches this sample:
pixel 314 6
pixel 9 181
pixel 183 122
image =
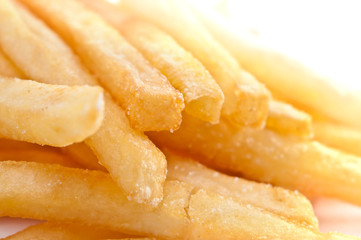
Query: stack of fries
pixel 131 98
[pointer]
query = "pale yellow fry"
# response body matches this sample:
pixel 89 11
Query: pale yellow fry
pixel 283 118
pixel 82 154
pixel 63 231
pixel 262 155
pixel 340 236
pixel 89 198
pixel 150 100
pixel 92 198
pixel 216 217
pixel 285 76
pixel 130 157
pixel 38 155
pixel 290 205
pixel 246 100
pixel 7 68
pixel 202 96
pixel 49 114
pixel 335 135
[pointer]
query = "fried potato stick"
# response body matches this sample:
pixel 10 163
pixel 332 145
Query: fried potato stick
pixel 92 198
pixel 63 231
pixel 49 114
pixel 285 76
pixel 283 118
pixel 83 155
pixel 246 100
pixel 290 205
pixel 150 100
pixel 338 136
pixel 262 155
pixel 130 157
pixel 7 68
pixel 203 97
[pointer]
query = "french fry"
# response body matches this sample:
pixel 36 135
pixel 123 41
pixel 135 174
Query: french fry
pixel 290 205
pixel 285 76
pixel 338 136
pixel 82 154
pixel 7 68
pixel 130 157
pixel 62 231
pixel 90 197
pixel 216 217
pixel 283 118
pixel 262 155
pixel 339 236
pixel 202 96
pixel 246 100
pixel 183 214
pixel 150 100
pixel 49 114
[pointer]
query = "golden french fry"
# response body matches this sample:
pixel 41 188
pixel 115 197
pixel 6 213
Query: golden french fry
pixel 49 114
pixel 130 157
pixel 63 231
pixel 246 100
pixel 285 76
pixel 339 236
pixel 308 166
pixel 7 68
pixel 150 100
pixel 83 155
pixel 90 198
pixel 283 118
pixel 93 199
pixel 202 96
pixel 338 136
pixel 290 205
pixel 216 217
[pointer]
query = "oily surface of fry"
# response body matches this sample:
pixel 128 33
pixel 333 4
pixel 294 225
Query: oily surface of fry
pixel 7 68
pixel 283 118
pixel 62 231
pixel 202 96
pixel 345 138
pixel 49 114
pixel 265 156
pixel 45 58
pixel 43 191
pixel 150 100
pixel 290 205
pixel 246 100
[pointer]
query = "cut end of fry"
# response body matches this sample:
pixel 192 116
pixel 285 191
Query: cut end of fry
pixel 206 108
pixel 49 114
pixel 283 118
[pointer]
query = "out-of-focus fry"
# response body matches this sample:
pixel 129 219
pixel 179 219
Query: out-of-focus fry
pixel 335 135
pixel 246 100
pixel 291 205
pixel 62 231
pixel 49 114
pixel 130 157
pixel 285 76
pixel 82 154
pixel 203 97
pixel 339 236
pixel 150 100
pixel 7 68
pixel 285 119
pixel 40 156
pixel 307 166
pixel 90 197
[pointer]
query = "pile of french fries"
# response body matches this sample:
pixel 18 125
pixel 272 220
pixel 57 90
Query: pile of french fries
pixel 150 119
